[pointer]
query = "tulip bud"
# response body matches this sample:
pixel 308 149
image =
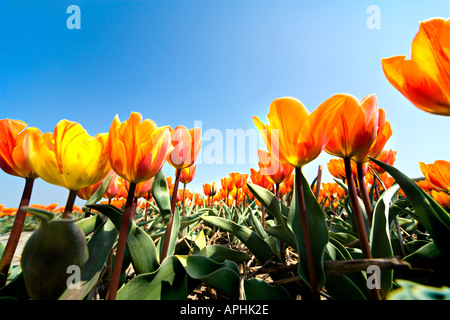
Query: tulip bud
pixel 50 250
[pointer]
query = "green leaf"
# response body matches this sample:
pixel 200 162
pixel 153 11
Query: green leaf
pixel 169 282
pixel 98 195
pixel 142 250
pixel 223 277
pixel 114 214
pixel 318 231
pixel 99 247
pixel 258 289
pixel 380 236
pixel 161 194
pixel 42 215
pixel 433 217
pixel 254 243
pixel 269 201
pixel 173 235
pixel 220 253
pixel 87 225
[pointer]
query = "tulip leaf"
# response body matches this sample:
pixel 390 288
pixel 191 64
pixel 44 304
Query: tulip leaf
pixel 42 215
pixel 114 214
pixel 220 253
pixel 173 235
pixel 268 200
pixel 318 231
pixel 99 247
pixel 258 289
pixel 88 225
pixel 380 236
pixel 169 282
pixel 142 250
pixel 161 194
pixel 98 194
pixel 224 277
pixel 426 210
pixel 254 243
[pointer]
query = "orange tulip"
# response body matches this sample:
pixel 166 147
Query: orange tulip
pixel 138 149
pixel 186 146
pixel 442 198
pixel 238 179
pixel 336 168
pixel 274 170
pixel 387 156
pixel 424 79
pixel 12 157
pixel 142 188
pixel 438 173
pixel 227 184
pixel 259 179
pixel 115 187
pixel 87 192
pixel 187 174
pixel 295 136
pixel 356 127
pixel 384 132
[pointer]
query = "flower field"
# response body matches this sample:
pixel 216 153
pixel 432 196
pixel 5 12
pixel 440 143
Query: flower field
pixel 372 233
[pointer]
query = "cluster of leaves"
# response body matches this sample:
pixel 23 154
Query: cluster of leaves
pixel 226 252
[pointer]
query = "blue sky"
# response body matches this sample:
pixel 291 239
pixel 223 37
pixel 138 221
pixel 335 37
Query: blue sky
pixel 215 61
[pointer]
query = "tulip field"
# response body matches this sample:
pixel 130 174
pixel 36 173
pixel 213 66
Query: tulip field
pixel 372 233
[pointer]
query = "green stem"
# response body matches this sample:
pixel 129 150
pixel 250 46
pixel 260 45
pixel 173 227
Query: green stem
pixel 165 248
pixel 120 251
pixel 16 231
pixel 306 233
pixel 364 192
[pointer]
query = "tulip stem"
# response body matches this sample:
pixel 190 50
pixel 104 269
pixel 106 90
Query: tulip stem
pixel 306 233
pixel 16 231
pixel 182 201
pixel 123 234
pixel 69 204
pixel 364 192
pixel 318 181
pixel 360 227
pixel 165 248
pixel 357 214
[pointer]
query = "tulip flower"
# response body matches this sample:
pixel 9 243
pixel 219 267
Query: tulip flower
pixel 13 161
pixel 355 132
pixel 274 170
pixel 186 176
pixel 259 179
pixel 424 79
pixel 138 149
pixel 115 187
pixel 296 137
pixel 186 147
pixel 438 173
pixel 387 156
pixel 137 152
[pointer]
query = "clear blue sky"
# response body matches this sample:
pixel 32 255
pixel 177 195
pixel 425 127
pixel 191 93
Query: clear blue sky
pixel 215 61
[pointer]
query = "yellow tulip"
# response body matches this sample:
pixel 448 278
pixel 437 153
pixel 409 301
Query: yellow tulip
pixel 69 157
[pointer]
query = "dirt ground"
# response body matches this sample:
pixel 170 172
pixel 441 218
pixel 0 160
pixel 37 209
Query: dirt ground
pixel 23 239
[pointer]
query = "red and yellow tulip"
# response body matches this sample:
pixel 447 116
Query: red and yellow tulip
pixel 138 149
pixel 12 156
